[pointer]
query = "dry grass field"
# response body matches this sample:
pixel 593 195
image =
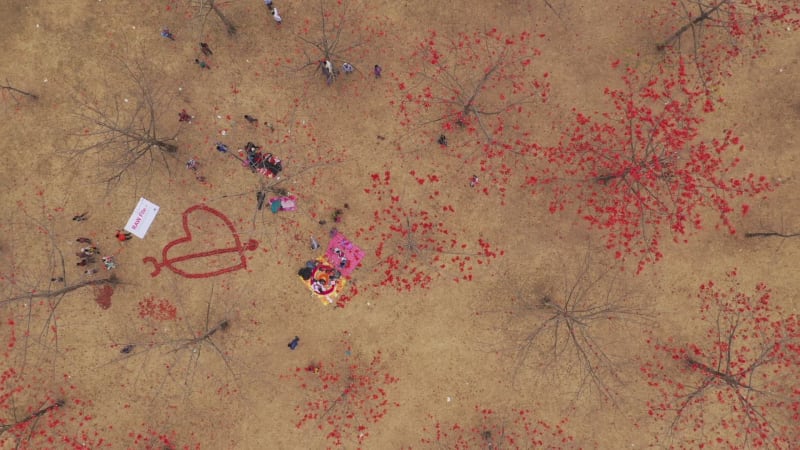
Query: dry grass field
pixel 483 316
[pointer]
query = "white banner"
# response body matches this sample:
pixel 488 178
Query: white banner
pixel 142 218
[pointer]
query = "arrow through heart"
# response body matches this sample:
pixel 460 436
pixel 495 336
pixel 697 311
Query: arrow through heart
pixel 169 263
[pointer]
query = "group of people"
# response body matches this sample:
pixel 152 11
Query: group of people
pixel 326 65
pixel 265 163
pixel 322 277
pixel 204 48
pixel 87 255
pixel 330 72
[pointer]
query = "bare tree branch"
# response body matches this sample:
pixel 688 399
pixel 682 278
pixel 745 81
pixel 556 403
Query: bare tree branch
pixel 11 88
pixel 563 332
pixel 125 133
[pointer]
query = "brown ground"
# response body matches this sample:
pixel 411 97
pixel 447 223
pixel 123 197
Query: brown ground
pixel 447 356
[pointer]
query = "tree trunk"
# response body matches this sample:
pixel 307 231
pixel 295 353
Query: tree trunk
pixel 229 26
pixel 165 146
pixel 19 91
pixel 702 17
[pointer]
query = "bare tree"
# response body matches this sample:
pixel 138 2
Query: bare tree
pixel 570 333
pixel 126 133
pixel 177 353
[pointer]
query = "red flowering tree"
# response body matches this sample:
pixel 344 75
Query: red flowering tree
pixel 413 244
pixel 737 387
pixel 474 96
pixel 516 430
pixel 38 410
pixel 713 33
pixel 644 169
pixel 343 399
pixel 154 439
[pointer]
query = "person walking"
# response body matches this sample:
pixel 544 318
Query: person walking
pixel 276 16
pixel 165 33
pixel 377 71
pixel 269 4
pixel 205 49
pixel 202 64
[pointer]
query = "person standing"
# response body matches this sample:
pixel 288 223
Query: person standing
pixel 377 71
pixel 205 49
pixel 123 236
pixel 276 16
pixel 109 262
pixel 269 4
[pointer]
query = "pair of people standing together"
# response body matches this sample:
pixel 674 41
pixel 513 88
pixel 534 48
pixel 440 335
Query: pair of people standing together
pixel 274 11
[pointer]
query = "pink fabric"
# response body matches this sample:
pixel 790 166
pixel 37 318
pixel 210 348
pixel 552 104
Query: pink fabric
pixel 351 253
pixel 287 203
